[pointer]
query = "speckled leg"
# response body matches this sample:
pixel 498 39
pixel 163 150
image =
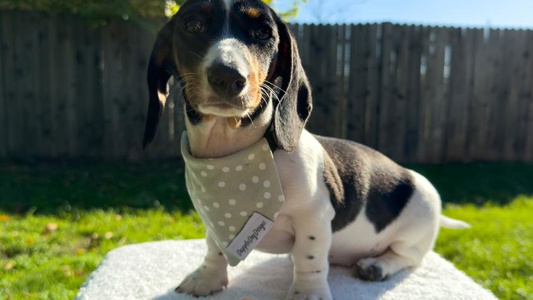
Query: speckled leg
pixel 310 258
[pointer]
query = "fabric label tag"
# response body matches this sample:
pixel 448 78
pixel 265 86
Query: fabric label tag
pixel 253 232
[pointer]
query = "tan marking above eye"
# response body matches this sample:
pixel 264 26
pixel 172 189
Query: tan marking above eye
pixel 253 12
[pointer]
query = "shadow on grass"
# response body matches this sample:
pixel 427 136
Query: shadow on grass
pixel 52 188
pixel 479 183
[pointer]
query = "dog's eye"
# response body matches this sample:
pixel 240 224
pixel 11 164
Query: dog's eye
pixel 263 33
pixel 194 26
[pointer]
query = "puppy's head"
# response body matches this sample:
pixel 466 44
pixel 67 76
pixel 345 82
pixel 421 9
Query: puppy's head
pixel 227 54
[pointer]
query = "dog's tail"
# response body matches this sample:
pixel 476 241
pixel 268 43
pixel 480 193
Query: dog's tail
pixel 452 223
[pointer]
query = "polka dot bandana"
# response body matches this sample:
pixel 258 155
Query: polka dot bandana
pixel 237 196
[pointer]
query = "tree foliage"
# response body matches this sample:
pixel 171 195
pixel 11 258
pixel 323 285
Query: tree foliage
pixel 103 10
pixel 174 5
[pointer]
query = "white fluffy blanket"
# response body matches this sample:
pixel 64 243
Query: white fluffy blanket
pixel 153 270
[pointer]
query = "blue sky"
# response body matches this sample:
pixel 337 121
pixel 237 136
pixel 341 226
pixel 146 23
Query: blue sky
pixel 477 13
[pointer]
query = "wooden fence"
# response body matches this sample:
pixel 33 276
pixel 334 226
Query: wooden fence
pixel 418 94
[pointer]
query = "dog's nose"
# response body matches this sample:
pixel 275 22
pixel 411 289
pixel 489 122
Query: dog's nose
pixel 225 81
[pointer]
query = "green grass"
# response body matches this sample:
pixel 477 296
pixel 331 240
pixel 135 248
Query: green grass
pixel 51 188
pixel 497 251
pixel 57 221
pixel 38 261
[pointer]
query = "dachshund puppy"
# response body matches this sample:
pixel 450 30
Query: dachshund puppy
pixel 341 203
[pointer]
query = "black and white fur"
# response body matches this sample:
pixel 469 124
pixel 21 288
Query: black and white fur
pixel 346 204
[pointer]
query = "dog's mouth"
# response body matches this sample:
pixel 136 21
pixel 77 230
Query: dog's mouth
pixel 207 102
pixel 234 107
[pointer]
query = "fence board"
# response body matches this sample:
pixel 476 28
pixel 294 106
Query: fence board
pixel 529 143
pixel 385 99
pixel 525 73
pixel 112 87
pixel 26 82
pixel 372 86
pixel 4 150
pixel 499 87
pixel 71 86
pixel 51 78
pixel 15 116
pixel 412 106
pixel 60 83
pixel 41 67
pixel 317 44
pixel 526 124
pixel 328 77
pixel 357 80
pixel 126 110
pixel 478 102
pixel 342 31
pixel 89 87
pixel 461 69
pixel 396 133
pixel 436 88
pixel 517 46
pixel 424 107
pixel 418 94
pixel 329 105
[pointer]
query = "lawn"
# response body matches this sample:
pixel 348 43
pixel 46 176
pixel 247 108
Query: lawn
pixel 57 221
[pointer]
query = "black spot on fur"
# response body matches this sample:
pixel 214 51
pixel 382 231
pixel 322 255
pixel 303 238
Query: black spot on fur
pixel 355 175
pixel 386 202
pixel 310 257
pixel 312 238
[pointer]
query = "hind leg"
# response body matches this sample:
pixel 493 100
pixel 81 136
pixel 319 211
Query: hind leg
pixel 381 267
pixel 399 256
pixel 420 225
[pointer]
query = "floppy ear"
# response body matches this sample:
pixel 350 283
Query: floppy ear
pixel 295 101
pixel 160 69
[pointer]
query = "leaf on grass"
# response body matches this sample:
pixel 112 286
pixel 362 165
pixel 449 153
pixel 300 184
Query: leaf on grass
pixel 50 227
pixel 9 266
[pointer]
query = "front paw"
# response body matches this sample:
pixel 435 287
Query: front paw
pixel 203 282
pixel 309 291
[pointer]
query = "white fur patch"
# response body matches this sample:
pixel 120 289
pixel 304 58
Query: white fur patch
pixel 228 51
pixel 228 4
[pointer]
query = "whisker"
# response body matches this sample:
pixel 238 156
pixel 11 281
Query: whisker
pixel 268 90
pixel 198 55
pixel 249 116
pixel 183 82
pixel 274 86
